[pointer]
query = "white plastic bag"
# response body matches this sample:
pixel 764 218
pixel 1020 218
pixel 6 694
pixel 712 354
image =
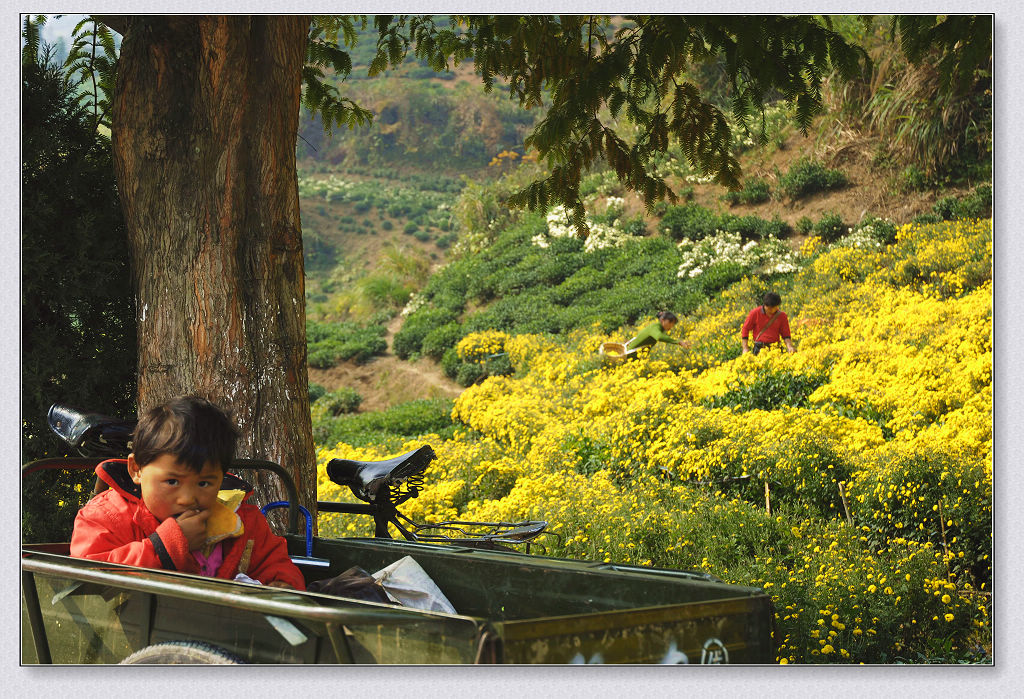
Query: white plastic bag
pixel 406 583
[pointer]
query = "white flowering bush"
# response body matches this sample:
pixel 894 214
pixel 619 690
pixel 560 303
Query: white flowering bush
pixel 416 301
pixel 868 236
pixel 602 235
pixel 700 179
pixel 330 188
pixel 769 256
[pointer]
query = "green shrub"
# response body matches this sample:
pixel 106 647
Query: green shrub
pixel 770 390
pixel 689 221
pixel 417 326
pixel 390 427
pixel 977 204
pixel 830 227
pixel 334 403
pixel 881 230
pixel 440 340
pixel 410 228
pixel 387 225
pixel 804 225
pixel 315 392
pixel 806 176
pixel 755 191
pixel 329 343
pixel 753 227
pixel 468 373
pixel 450 362
pixel 912 179
pixel 637 225
pixel 927 218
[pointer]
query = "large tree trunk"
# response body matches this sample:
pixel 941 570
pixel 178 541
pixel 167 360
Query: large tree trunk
pixel 205 118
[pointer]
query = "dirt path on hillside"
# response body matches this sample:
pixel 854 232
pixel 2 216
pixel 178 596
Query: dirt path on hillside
pixel 386 380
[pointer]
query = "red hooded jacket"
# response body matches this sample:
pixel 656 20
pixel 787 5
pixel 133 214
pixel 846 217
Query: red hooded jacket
pixel 116 526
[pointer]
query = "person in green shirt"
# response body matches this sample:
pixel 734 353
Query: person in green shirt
pixel 655 332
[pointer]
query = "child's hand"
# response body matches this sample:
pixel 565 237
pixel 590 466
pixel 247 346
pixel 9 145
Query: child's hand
pixel 193 526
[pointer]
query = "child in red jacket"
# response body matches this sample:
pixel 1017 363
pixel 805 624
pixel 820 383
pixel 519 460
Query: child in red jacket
pixel 155 512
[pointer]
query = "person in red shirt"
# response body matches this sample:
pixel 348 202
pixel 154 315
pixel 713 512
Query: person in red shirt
pixel 767 323
pixel 155 511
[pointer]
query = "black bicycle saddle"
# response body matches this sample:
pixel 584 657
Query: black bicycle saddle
pixel 366 477
pixel 92 434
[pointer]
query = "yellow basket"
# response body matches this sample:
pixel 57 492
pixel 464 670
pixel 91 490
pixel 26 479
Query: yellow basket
pixel 614 351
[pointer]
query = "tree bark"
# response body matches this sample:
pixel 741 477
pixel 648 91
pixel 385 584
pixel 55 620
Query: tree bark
pixel 205 116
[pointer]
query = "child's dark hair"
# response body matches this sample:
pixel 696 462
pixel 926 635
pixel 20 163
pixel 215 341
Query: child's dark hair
pixel 771 299
pixel 667 315
pixel 192 429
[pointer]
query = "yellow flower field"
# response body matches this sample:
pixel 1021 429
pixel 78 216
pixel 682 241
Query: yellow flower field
pixel 851 480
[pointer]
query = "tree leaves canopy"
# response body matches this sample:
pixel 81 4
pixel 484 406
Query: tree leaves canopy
pixel 589 71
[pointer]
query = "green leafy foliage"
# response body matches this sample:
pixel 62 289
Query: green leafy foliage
pixel 694 222
pixel 330 343
pixel 977 204
pixel 93 63
pixel 755 191
pixel 771 390
pixel 577 65
pixel 338 402
pixel 324 52
pixel 389 427
pixel 77 304
pixel 315 392
pixel 417 327
pixel 830 227
pixel 807 176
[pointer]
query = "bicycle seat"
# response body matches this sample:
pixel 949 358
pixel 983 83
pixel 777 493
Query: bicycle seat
pixel 92 434
pixel 365 478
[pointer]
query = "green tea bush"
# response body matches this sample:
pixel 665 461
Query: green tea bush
pixel 806 176
pixel 417 326
pixel 391 426
pixel 329 343
pixel 440 339
pixel 334 403
pixel 753 227
pixel 315 392
pixel 830 227
pixel 689 222
pixel 804 225
pixel 977 204
pixel 755 191
pixel 468 373
pixel 770 390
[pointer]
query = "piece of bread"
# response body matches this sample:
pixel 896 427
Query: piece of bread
pixel 224 522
